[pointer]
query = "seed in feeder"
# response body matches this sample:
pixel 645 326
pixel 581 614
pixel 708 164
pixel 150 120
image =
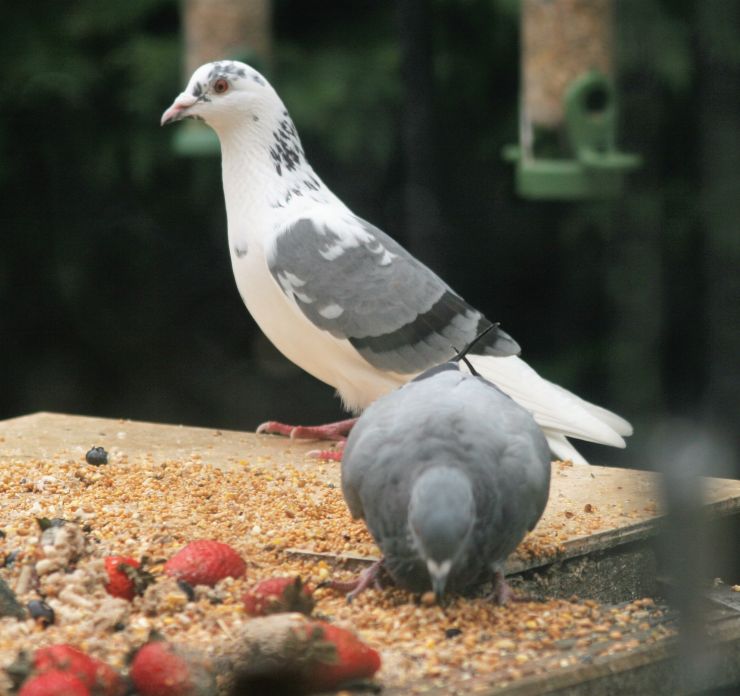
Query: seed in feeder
pixel 187 588
pixel 428 599
pixel 45 524
pixel 11 558
pixel 41 612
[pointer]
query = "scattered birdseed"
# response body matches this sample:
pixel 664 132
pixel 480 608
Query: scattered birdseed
pixel 144 505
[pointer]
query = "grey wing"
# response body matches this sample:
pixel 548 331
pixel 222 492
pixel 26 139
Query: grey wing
pixel 526 460
pixel 504 433
pixel 375 476
pixel 355 463
pixel 370 454
pixel 359 284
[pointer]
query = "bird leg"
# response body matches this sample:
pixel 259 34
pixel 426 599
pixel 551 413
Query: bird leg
pixel 329 431
pixel 369 576
pixel 502 592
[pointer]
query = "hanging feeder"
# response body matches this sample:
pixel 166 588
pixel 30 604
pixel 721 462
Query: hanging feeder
pixel 216 30
pixel 568 113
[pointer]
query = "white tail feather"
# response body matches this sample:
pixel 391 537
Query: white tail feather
pixel 559 413
pixel 617 423
pixel 563 450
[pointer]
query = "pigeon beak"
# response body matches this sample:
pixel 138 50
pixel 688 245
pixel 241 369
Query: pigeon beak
pixel 438 573
pixel 438 587
pixel 179 108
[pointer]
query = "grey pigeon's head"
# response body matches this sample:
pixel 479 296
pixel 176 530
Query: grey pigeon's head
pixel 441 519
pixel 224 93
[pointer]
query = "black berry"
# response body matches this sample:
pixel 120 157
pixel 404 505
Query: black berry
pixel 41 611
pixel 96 456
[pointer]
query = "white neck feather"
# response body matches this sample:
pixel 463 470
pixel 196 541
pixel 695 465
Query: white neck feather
pixel 265 172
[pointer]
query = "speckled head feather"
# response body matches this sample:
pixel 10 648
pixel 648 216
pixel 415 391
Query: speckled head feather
pixel 254 126
pixel 223 93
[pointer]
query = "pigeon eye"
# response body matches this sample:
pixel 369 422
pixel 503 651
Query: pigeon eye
pixel 220 86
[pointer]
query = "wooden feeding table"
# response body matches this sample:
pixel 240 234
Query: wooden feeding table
pixel 593 624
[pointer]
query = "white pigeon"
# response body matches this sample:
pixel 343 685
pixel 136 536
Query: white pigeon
pixel 335 294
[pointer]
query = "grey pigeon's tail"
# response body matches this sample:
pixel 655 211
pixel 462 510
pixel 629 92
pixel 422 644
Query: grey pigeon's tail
pixel 557 411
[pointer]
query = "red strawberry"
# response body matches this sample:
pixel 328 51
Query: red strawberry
pixel 205 562
pixel 352 659
pixel 54 683
pixel 126 579
pixel 109 681
pixel 276 595
pixel 296 654
pixel 159 669
pixel 93 673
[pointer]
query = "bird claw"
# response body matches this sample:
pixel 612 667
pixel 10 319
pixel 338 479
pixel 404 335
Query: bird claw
pixel 325 455
pixel 369 576
pixel 274 428
pixel 328 455
pixel 330 431
pixel 502 593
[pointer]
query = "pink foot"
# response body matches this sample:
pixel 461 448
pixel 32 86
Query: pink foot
pixel 329 455
pixel 369 576
pixel 329 431
pixel 502 592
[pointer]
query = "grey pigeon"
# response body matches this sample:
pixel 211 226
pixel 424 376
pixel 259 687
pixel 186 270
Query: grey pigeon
pixel 336 295
pixel 449 474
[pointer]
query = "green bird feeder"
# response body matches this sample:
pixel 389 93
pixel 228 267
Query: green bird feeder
pixel 568 114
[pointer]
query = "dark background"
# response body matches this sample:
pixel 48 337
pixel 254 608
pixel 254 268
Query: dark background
pixel 116 294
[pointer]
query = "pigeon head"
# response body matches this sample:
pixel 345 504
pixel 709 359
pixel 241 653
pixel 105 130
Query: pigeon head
pixel 441 519
pixel 222 94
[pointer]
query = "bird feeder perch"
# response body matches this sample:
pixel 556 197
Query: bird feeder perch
pixel 216 30
pixel 568 113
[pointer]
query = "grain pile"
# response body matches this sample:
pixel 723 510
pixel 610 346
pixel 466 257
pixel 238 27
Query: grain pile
pixel 142 507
